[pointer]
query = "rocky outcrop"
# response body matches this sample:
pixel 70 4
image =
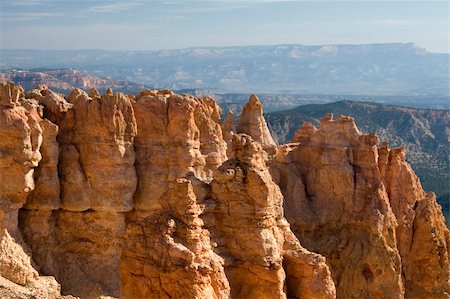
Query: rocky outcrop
pixel 354 204
pixel 177 135
pixel 21 138
pixel 426 270
pixel 340 208
pixel 168 252
pixel 252 122
pixel 263 258
pixel 153 196
pixel 84 221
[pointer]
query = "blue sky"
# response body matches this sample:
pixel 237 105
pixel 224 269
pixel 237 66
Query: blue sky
pixel 154 25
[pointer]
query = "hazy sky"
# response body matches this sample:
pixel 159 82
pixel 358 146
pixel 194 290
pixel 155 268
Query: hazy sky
pixel 153 25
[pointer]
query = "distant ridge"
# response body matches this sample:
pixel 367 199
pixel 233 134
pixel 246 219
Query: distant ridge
pixel 372 69
pixel 64 80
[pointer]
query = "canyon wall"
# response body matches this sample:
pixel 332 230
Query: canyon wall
pixel 153 196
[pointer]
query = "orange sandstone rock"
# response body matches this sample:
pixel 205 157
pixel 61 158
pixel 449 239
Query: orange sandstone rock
pixel 252 122
pixel 168 254
pixel 97 182
pixel 337 205
pixel 20 142
pixel 423 239
pixel 263 257
pixel 153 196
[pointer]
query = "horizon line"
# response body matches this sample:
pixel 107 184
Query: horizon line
pixel 221 47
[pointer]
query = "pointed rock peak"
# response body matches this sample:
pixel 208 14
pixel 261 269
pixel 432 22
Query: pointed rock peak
pixel 254 100
pixel 252 122
pixel 398 152
pixel 229 121
pixel 93 93
pixel 253 104
pixel 109 92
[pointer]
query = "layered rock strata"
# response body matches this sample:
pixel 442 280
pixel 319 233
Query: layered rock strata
pixel 263 257
pixel 153 196
pixel 167 252
pixel 66 227
pixel 339 207
pixel 21 138
pixel 355 204
pixel 426 270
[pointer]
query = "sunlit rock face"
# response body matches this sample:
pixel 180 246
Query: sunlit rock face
pixel 339 207
pixel 422 238
pixel 154 196
pixel 22 131
pixel 358 206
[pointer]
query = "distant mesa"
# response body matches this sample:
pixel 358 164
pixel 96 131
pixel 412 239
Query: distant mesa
pixel 400 69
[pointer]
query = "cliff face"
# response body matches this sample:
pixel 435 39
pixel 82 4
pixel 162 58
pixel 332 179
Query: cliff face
pixel 153 196
pixel 358 206
pixel 340 207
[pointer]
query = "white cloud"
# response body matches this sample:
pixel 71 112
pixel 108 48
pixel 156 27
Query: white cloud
pixel 114 7
pixel 25 3
pixel 27 16
pixel 392 22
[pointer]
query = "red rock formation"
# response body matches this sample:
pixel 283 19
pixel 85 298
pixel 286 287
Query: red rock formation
pixel 152 196
pixel 263 257
pixel 338 207
pixel 179 136
pixel 20 141
pixel 344 199
pixel 168 253
pixel 422 237
pixel 252 122
pixel 97 179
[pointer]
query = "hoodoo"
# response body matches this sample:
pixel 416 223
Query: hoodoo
pixel 153 196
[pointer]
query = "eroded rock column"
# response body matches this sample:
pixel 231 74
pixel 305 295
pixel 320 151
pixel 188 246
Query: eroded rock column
pixel 338 206
pixel 21 137
pixel 423 239
pixel 80 243
pixel 263 257
pixel 167 252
